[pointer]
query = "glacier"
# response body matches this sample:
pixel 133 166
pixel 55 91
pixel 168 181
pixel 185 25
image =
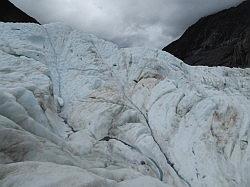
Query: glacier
pixel 76 110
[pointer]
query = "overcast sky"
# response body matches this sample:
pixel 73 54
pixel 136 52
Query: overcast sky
pixel 151 23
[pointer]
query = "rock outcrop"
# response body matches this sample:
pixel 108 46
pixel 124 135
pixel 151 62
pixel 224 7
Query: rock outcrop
pixel 10 13
pixel 222 39
pixel 76 110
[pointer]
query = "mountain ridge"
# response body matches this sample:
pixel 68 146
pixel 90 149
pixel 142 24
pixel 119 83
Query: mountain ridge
pixel 10 13
pixel 220 39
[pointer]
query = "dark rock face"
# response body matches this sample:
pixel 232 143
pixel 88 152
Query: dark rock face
pixel 222 39
pixel 10 13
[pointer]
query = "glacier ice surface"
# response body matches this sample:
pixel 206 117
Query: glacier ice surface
pixel 76 110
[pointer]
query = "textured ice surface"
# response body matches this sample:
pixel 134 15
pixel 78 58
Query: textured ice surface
pixel 76 110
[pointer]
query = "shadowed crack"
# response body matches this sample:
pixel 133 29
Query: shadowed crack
pixel 65 120
pixel 107 138
pixel 171 164
pixel 56 62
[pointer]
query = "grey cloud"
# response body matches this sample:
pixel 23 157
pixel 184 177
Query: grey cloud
pixel 151 23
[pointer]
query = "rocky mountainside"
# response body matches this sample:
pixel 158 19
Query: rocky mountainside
pixel 76 110
pixel 10 13
pixel 222 39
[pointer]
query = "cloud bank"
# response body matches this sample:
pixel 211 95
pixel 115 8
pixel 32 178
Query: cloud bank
pixel 151 23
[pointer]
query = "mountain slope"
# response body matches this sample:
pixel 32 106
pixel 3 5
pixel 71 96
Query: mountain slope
pixel 10 13
pixel 222 39
pixel 76 110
